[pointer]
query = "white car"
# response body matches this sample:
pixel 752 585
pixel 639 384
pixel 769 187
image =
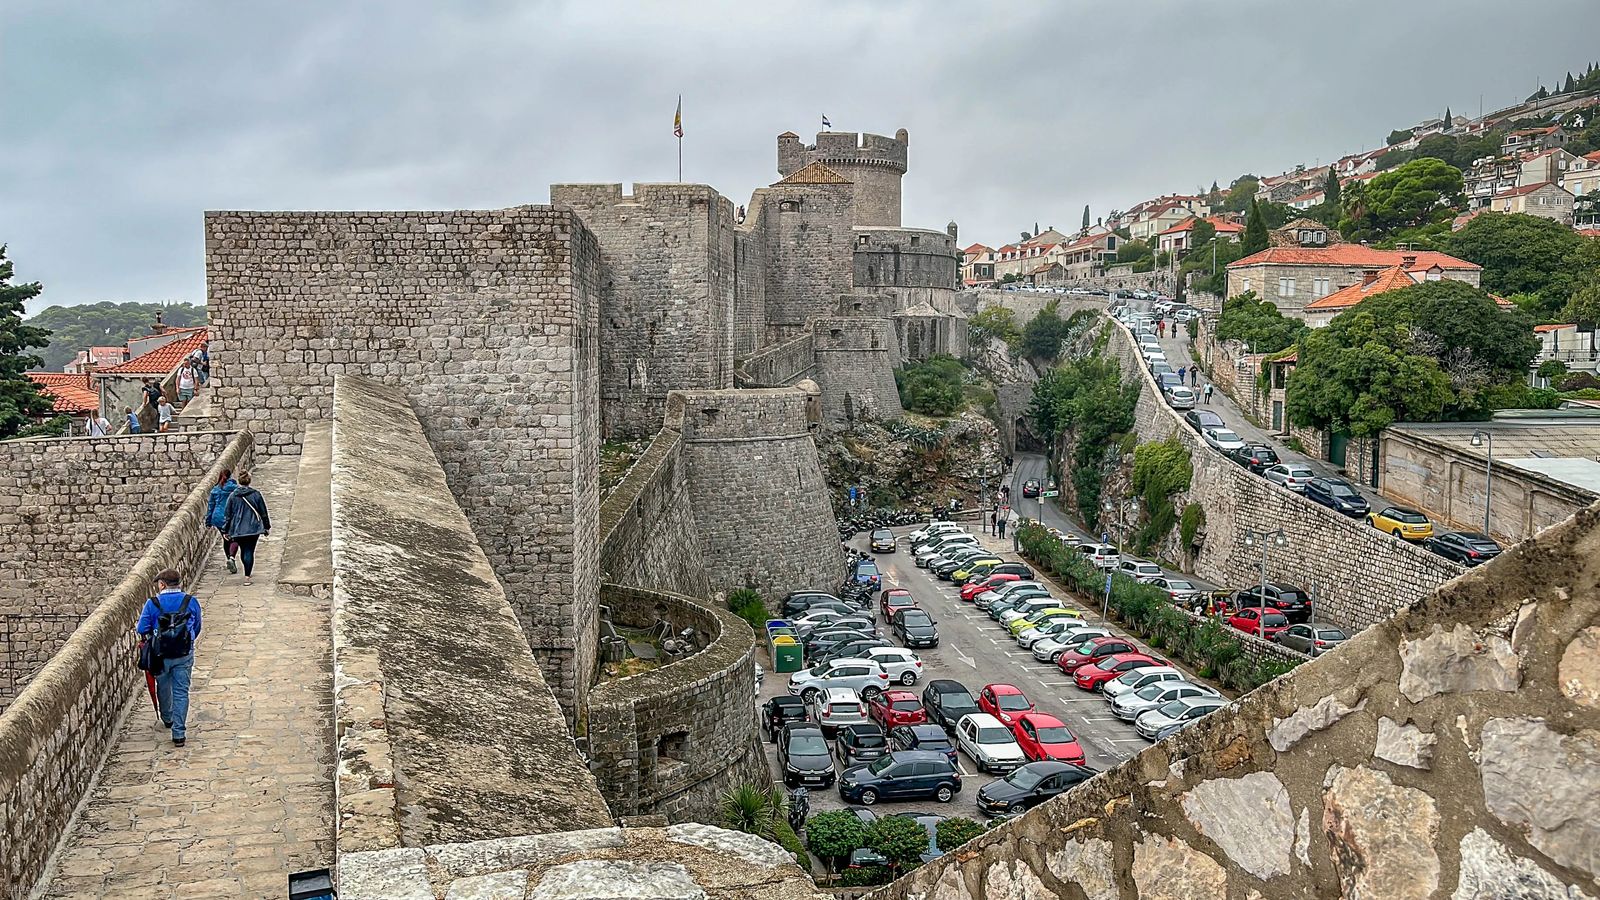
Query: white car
pixel 1129 705
pixel 925 556
pixel 863 676
pixel 1222 439
pixel 1180 397
pixel 1155 724
pixel 934 528
pixel 1104 556
pixel 984 598
pixel 1047 629
pixel 1182 591
pixel 1134 679
pixel 1050 649
pixel 1291 475
pixel 903 665
pixel 835 708
pixel 1139 570
pixel 989 743
pixel 943 537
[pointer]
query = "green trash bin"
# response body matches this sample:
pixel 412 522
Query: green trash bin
pixel 787 655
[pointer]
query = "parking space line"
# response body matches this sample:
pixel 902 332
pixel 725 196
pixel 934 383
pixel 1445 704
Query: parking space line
pixel 1138 740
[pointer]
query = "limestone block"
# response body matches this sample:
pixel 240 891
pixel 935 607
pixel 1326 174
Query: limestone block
pixel 1287 732
pixel 1013 880
pixel 1547 785
pixel 1457 660
pixel 588 879
pixel 398 874
pixel 1170 869
pixel 496 886
pixel 1404 745
pixel 1248 817
pixel 746 846
pixel 1579 673
pixel 1380 835
pixel 1490 872
pixel 1087 864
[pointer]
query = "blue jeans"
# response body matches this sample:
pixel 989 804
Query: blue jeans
pixel 172 693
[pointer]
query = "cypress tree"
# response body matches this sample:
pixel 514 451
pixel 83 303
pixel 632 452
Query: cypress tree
pixel 1255 231
pixel 1448 119
pixel 1086 215
pixel 1330 188
pixel 20 399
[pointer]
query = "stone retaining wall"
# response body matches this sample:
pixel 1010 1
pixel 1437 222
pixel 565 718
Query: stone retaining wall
pixel 56 734
pixel 647 527
pixel 672 740
pixel 778 365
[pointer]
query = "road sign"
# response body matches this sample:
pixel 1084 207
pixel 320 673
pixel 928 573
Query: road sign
pixel 1049 493
pixel 1108 582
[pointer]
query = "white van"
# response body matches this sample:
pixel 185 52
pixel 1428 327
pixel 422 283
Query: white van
pixel 1104 556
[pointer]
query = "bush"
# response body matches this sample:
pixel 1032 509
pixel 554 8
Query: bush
pixel 1257 323
pixel 933 387
pixel 788 840
pixel 748 605
pixel 994 322
pixel 1552 368
pixel 1160 469
pixel 901 840
pixel 1194 515
pixel 833 835
pixel 866 876
pixel 955 831
pixel 1578 382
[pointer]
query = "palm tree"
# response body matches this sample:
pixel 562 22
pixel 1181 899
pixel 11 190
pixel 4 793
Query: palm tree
pixel 754 809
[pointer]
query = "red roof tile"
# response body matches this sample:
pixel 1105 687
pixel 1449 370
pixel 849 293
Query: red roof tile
pixel 1525 189
pixel 1544 328
pixel 1353 255
pixel 68 393
pixel 1344 298
pixel 162 360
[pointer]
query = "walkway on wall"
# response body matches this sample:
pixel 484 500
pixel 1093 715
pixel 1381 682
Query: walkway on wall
pixel 249 798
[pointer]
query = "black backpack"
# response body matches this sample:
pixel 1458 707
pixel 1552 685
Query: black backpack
pixel 171 639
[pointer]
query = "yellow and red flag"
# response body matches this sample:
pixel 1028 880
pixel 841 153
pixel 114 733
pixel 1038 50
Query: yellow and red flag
pixel 677 119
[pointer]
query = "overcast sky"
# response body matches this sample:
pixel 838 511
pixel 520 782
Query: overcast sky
pixel 124 121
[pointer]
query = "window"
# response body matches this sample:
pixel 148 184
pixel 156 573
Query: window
pixel 1321 287
pixel 1247 284
pixel 1286 287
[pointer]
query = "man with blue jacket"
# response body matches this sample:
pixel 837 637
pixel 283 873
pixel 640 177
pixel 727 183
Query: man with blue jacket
pixel 176 616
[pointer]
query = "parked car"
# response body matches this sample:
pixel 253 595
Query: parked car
pixel 943 551
pixel 1470 548
pixel 1020 570
pixel 1008 596
pixel 1138 569
pixel 1312 640
pixel 1043 736
pixel 798 602
pixel 1027 608
pixel 902 664
pixel 902 775
pixel 1014 599
pixel 1051 649
pixel 1254 456
pixel 824 641
pixel 893 600
pixel 1155 724
pixel 1294 603
pixel 1093 677
pixel 1181 591
pixel 1030 785
pixel 883 541
pixel 860 675
pixel 1042 616
pixel 1133 679
pixel 1259 621
pixel 835 708
pixel 973 588
pixel 1403 522
pixel 934 528
pixel 988 743
pixel 977 568
pixel 1338 495
pixel 1047 629
pixel 1006 702
pixel 1103 556
pixel 1222 439
pixel 803 756
pixel 946 701
pixel 860 648
pixel 1129 705
pixel 818 619
pixel 864 571
pixel 1092 649
pixel 945 566
pixel 892 708
pixel 780 711
pixel 1030 488
pixel 915 628
pixel 860 743
pixel 1293 476
pixel 1180 397
pixel 926 736
pixel 1201 419
pixel 943 539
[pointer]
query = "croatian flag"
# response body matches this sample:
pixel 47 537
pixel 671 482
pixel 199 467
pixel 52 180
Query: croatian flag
pixel 826 123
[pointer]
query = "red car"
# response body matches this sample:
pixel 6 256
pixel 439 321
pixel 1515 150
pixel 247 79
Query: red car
pixel 972 589
pixel 892 708
pixel 1042 736
pixel 1095 649
pixel 1260 621
pixel 1005 702
pixel 1093 677
pixel 894 600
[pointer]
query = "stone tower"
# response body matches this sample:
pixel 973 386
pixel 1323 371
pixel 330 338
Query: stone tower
pixel 873 163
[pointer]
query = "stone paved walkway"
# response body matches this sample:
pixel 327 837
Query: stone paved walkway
pixel 249 799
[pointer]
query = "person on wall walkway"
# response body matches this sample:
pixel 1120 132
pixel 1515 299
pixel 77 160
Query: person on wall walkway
pixel 133 419
pixel 186 382
pixel 169 625
pixel 217 514
pixel 164 414
pixel 245 521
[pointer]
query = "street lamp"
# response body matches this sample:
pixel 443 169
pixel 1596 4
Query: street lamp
pixel 1479 439
pixel 1119 506
pixel 1265 540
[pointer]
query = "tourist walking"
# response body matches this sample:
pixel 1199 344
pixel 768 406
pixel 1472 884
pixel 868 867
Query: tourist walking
pixel 152 392
pixel 1183 371
pixel 169 625
pixel 245 521
pixel 164 414
pixel 133 419
pixel 1194 376
pixel 186 382
pixel 96 425
pixel 1208 393
pixel 1000 525
pixel 217 513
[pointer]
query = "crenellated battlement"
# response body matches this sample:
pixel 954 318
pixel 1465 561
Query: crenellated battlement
pixel 873 163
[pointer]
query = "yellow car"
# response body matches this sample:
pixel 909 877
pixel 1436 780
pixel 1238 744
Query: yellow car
pixel 959 576
pixel 1402 522
pixel 1041 617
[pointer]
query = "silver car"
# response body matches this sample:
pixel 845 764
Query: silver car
pixel 1155 724
pixel 863 676
pixel 1180 397
pixel 1134 679
pixel 1293 476
pixel 1222 439
pixel 1300 637
pixel 1050 649
pixel 1129 705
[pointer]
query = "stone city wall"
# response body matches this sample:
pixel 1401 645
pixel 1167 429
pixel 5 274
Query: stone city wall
pixel 805 230
pixel 779 365
pixel 56 734
pixel 874 164
pixel 1024 305
pixel 905 257
pixel 1452 751
pixel 74 512
pixel 1359 576
pixel 420 627
pixel 489 319
pixel 647 526
pixel 672 740
pixel 856 359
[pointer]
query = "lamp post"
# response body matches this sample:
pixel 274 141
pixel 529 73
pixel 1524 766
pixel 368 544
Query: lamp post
pixel 1481 439
pixel 1265 540
pixel 1118 506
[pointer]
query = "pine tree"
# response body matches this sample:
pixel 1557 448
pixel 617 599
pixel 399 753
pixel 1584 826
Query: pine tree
pixel 1086 215
pixel 1330 189
pixel 1569 85
pixel 1255 231
pixel 20 400
pixel 1448 119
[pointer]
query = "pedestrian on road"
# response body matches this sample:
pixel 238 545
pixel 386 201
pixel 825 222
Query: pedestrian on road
pixel 1208 393
pixel 1194 376
pixel 1000 525
pixel 164 414
pixel 245 521
pixel 217 513
pixel 1182 372
pixel 170 623
pixel 1161 327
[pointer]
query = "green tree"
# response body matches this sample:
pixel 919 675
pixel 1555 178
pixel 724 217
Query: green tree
pixel 20 400
pixel 1257 323
pixel 1086 215
pixel 1201 233
pixel 834 835
pixel 932 387
pixel 1241 193
pixel 1330 188
pixel 1421 193
pixel 900 839
pixel 754 809
pixel 1255 230
pixel 955 831
pixel 1398 137
pixel 1583 307
pixel 1042 337
pixel 105 324
pixel 993 322
pixel 1523 254
pixel 1133 251
pixel 1362 389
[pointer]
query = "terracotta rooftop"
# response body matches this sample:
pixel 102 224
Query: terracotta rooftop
pixel 71 394
pixel 814 173
pixel 1390 279
pixel 1544 328
pixel 1307 195
pixel 1222 225
pixel 1525 189
pixel 162 360
pixel 1353 255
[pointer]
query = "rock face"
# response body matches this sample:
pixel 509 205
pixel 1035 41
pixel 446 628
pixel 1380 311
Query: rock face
pixel 1545 785
pixel 1380 835
pixel 1249 818
pixel 1404 745
pixel 1169 869
pixel 1456 660
pixel 1088 865
pixel 1490 872
pixel 1579 675
pixel 1286 732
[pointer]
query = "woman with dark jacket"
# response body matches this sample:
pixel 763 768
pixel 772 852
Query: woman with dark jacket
pixel 245 520
pixel 217 512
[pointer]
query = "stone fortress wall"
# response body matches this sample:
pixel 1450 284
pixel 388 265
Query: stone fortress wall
pixel 800 234
pixel 873 163
pixel 905 257
pixel 855 363
pixel 490 320
pixel 59 729
pixel 1452 751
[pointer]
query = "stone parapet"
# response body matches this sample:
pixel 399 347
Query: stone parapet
pixel 647 525
pixel 778 365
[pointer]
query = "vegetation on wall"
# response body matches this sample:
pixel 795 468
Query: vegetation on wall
pixel 748 605
pixel 932 387
pixel 1047 333
pixel 1257 323
pixel 994 322
pixel 1160 469
pixel 1085 396
pixel 1194 516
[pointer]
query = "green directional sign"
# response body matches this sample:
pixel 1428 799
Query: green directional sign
pixel 1049 493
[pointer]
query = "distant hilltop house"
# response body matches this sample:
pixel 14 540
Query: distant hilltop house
pixel 1177 239
pixel 70 394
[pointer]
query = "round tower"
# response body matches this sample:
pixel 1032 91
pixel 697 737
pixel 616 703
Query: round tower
pixel 874 164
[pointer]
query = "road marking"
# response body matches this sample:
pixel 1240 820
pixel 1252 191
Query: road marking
pixel 1074 699
pixel 1101 718
pixel 1138 740
pixel 964 658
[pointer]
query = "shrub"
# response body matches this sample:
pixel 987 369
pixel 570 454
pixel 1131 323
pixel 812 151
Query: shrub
pixel 933 387
pixel 955 831
pixel 1160 469
pixel 748 605
pixel 1194 515
pixel 788 840
pixel 754 809
pixel 1579 381
pixel 833 835
pixel 865 876
pixel 994 322
pixel 901 840
pixel 1552 368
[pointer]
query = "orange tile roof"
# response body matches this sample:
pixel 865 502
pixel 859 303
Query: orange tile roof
pixel 977 248
pixel 1544 328
pixel 171 329
pixel 1590 232
pixel 1525 189
pixel 813 173
pixel 1352 255
pixel 68 393
pixel 1389 279
pixel 1593 157
pixel 1307 195
pixel 162 360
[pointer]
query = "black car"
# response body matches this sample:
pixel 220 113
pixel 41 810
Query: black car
pixel 1255 457
pixel 922 737
pixel 915 628
pixel 883 541
pixel 824 641
pixel 803 756
pixel 1201 419
pixel 1030 488
pixel 947 701
pixel 1338 495
pixel 1030 785
pixel 1470 548
pixel 848 650
pixel 1294 603
pixel 1010 568
pixel 904 775
pixel 797 603
pixel 856 744
pixel 780 711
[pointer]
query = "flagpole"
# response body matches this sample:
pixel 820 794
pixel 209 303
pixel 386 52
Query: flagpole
pixel 680 159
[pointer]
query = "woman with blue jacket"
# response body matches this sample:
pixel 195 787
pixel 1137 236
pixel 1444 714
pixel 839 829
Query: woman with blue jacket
pixel 217 512
pixel 245 521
